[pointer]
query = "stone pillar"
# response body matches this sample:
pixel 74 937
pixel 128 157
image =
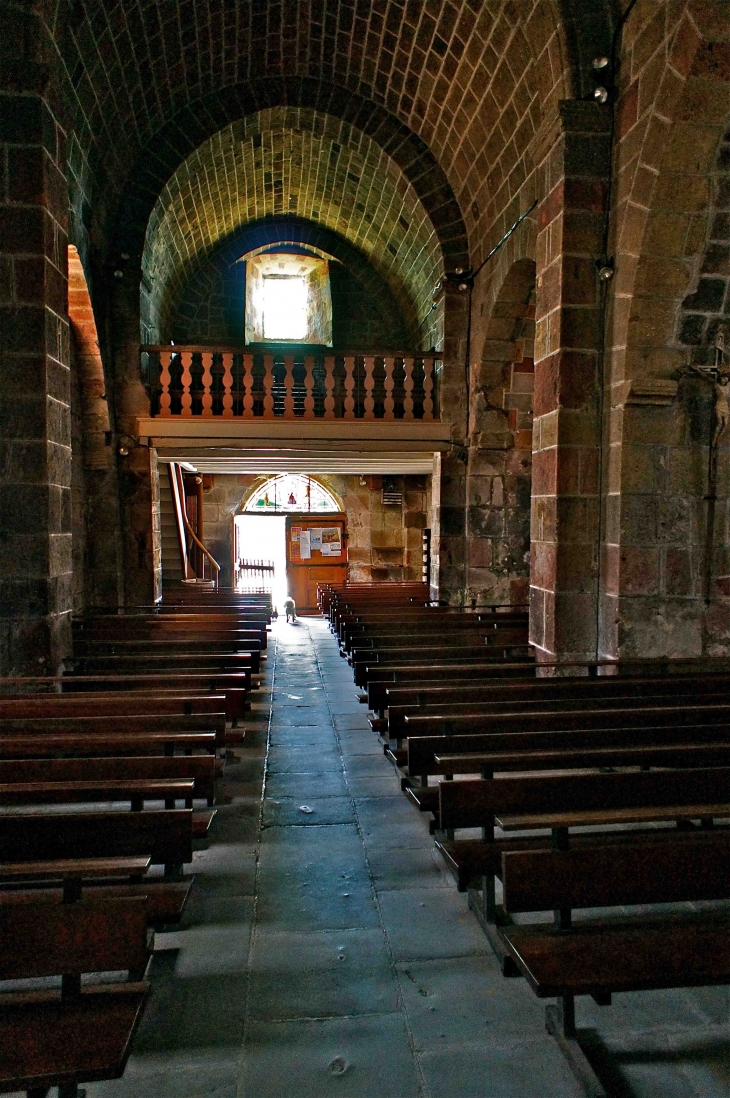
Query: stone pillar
pixel 138 475
pixel 35 425
pixel 448 535
pixel 572 156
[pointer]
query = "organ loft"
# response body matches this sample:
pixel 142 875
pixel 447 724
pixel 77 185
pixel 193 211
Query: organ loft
pixel 364 554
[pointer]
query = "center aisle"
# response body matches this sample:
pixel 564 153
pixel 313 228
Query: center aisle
pixel 368 976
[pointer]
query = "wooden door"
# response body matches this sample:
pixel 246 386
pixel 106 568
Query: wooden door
pixel 316 552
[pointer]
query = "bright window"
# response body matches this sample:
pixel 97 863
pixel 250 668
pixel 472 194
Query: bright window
pixel 285 307
pixel 291 492
pixel 288 299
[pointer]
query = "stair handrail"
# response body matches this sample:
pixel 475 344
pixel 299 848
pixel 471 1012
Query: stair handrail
pixel 181 511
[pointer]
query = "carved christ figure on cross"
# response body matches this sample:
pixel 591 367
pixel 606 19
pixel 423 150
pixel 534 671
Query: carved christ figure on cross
pixel 719 377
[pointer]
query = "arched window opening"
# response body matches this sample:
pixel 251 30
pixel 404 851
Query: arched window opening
pixel 291 493
pixel 288 299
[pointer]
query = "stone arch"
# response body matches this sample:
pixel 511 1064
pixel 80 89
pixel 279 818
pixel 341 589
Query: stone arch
pixel 198 122
pixel 94 505
pixel 94 407
pixel 294 161
pixel 669 136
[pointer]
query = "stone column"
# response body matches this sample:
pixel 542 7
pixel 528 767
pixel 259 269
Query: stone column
pixel 35 425
pixel 572 156
pixel 448 535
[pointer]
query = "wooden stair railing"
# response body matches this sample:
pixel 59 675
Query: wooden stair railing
pixel 185 530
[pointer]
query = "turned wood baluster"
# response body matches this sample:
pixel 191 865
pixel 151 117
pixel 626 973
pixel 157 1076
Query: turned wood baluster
pixel 349 411
pixel 389 384
pixel 289 387
pixel 207 382
pixel 227 385
pixel 369 401
pixel 329 385
pixel 186 404
pixel 408 389
pixel 309 387
pixel 268 385
pixel 428 368
pixel 165 379
pixel 248 386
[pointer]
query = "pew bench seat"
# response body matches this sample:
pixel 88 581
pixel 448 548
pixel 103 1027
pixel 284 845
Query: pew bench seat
pixel 202 822
pixel 608 949
pixel 63 880
pixel 44 1043
pixel 630 954
pixel 166 899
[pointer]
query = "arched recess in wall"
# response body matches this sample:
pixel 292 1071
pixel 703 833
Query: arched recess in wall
pixel 654 527
pixel 92 388
pixel 300 163
pixel 500 454
pixel 95 513
pixel 210 305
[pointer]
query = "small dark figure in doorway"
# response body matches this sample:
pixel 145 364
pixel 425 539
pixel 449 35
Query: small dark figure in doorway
pixel 291 608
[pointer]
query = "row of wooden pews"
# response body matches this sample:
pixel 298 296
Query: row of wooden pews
pixel 107 779
pixel 600 798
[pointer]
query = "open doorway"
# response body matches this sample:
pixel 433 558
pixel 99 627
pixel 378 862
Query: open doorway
pixel 260 555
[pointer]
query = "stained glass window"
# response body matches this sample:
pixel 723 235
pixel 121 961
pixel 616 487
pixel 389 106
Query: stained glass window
pixel 291 492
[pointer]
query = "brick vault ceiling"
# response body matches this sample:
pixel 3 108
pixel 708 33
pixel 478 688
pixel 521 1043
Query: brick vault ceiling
pixel 468 78
pixel 296 162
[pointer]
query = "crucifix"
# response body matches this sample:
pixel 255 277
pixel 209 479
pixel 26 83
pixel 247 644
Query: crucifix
pixel 718 375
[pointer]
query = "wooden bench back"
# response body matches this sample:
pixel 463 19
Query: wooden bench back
pixel 166 722
pixel 569 718
pixel 92 935
pixel 423 749
pixel 397 713
pixel 201 768
pixel 166 836
pixel 101 705
pixel 673 869
pixel 473 803
pixel 488 691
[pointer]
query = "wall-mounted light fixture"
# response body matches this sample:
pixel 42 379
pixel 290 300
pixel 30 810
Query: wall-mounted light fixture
pixel 127 443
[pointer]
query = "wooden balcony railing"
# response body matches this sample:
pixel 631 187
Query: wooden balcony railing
pixel 219 382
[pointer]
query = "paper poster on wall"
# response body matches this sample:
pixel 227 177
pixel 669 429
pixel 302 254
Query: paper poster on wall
pixel 294 551
pixel 305 551
pixel 295 533
pixel 331 545
pixel 331 536
pixel 315 538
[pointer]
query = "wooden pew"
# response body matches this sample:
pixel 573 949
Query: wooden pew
pixel 62 1037
pixel 165 836
pixel 96 744
pixel 201 770
pixel 619 693
pixel 156 662
pixel 234 686
pixel 600 955
pixel 445 633
pixel 119 725
pixel 570 717
pixel 109 704
pixel 57 880
pixel 511 656
pixel 529 803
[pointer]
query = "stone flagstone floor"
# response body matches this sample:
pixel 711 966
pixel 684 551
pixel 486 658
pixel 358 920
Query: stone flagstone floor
pixel 326 952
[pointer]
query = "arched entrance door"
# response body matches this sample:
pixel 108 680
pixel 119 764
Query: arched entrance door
pixel 297 522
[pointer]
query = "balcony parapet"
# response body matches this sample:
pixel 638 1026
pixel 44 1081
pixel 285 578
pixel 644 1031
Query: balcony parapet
pixel 226 383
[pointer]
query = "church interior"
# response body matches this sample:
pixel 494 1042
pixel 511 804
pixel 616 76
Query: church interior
pixel 365 548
